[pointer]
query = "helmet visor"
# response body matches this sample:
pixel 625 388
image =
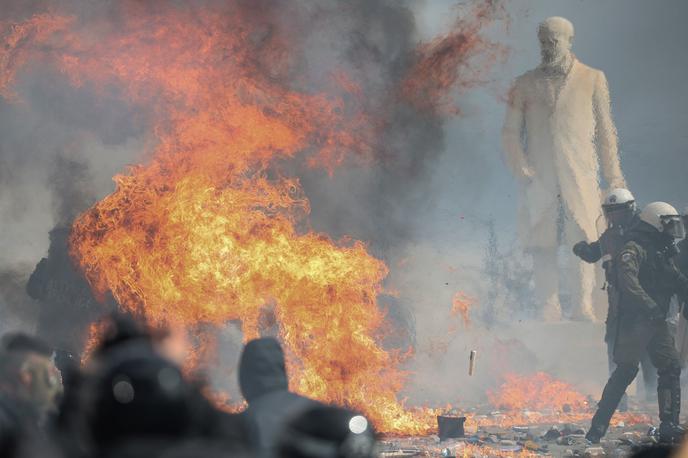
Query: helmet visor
pixel 673 226
pixel 620 214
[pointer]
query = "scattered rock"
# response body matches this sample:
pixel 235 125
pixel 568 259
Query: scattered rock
pixel 509 446
pixel 571 439
pixel 552 434
pixel 594 452
pixel 492 439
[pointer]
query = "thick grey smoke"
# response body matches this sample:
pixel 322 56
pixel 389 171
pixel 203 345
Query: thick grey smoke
pixel 378 44
pixel 426 206
pixel 60 146
pixel 18 311
pixel 73 140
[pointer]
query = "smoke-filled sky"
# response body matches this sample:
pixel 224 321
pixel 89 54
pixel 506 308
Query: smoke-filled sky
pixel 638 44
pixel 60 148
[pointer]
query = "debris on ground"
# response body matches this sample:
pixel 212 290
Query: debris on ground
pixel 488 434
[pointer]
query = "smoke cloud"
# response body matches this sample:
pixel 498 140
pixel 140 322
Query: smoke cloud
pixel 424 195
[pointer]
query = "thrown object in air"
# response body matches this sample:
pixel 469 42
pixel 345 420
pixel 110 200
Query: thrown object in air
pixel 450 427
pixel 471 362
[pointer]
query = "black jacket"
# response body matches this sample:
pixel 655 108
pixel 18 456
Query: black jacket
pixel 682 257
pixel 19 428
pixel 648 276
pixel 610 243
pixel 264 385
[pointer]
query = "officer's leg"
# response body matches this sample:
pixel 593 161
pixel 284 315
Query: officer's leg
pixel 631 342
pixel 622 376
pixel 649 377
pixel 662 351
pixel 610 340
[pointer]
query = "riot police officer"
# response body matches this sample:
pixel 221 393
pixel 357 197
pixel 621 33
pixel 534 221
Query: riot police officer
pixel 647 280
pixel 620 212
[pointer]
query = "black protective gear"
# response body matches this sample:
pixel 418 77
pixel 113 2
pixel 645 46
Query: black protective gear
pixel 681 262
pixel 671 433
pixel 588 252
pixel 669 393
pixel 647 282
pixel 681 259
pixel 610 244
pixel 595 433
pixel 637 336
pixel 656 315
pixel 622 376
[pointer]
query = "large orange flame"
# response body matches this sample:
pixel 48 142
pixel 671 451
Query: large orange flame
pixel 210 229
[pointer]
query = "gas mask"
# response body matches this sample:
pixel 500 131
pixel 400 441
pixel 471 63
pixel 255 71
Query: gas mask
pixel 673 226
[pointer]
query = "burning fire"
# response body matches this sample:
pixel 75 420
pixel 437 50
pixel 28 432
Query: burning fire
pixel 542 399
pixel 211 229
pixel 461 306
pixel 538 392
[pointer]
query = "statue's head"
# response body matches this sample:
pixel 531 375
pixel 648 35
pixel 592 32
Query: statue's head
pixel 556 36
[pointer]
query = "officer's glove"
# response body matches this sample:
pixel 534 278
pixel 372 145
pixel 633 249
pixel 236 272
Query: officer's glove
pixel 656 314
pixel 580 249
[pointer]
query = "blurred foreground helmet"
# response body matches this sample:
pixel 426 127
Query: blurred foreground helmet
pixel 664 218
pixel 137 395
pixel 619 207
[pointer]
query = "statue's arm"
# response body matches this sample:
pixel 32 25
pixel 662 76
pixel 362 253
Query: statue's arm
pixel 605 133
pixel 512 134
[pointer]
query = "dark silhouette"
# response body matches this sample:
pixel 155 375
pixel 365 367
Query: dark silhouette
pixel 263 382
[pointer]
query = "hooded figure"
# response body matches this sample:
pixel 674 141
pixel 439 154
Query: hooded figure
pixel 264 385
pixel 557 133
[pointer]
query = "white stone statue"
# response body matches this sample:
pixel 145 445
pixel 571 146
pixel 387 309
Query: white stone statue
pixel 557 133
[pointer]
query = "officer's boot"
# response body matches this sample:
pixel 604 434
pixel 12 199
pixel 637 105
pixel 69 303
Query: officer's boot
pixel 622 376
pixel 669 397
